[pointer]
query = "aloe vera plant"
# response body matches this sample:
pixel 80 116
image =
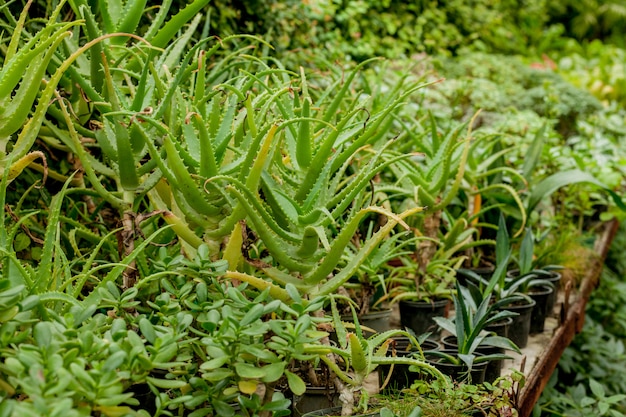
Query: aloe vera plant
pixel 361 357
pixel 25 64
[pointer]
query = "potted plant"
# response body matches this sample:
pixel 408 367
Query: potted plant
pixel 543 287
pixel 367 287
pixel 422 294
pixel 394 378
pixel 468 328
pixel 511 294
pixel 424 288
pixel 356 357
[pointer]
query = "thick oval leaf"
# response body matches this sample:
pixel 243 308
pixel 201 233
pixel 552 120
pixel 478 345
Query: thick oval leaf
pixel 166 383
pixel 147 330
pixel 273 371
pixel 247 386
pixel 217 375
pixel 215 363
pixel 296 384
pixel 245 370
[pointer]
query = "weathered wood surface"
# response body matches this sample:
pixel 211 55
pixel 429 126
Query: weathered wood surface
pixel 544 351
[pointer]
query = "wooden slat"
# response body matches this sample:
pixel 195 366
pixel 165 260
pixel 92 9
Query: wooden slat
pixel 572 324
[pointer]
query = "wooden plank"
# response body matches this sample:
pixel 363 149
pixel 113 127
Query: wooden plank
pixel 574 318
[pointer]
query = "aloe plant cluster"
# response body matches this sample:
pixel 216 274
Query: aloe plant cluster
pixel 204 199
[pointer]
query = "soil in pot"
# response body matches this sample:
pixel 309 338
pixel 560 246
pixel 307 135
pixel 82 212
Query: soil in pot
pixel 555 279
pixel 458 372
pixel 481 271
pixel 500 328
pixel 145 396
pixel 541 296
pixel 418 316
pixel 315 398
pixel 520 328
pixel 494 367
pixel 401 377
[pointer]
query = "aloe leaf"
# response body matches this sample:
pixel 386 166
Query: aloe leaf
pixel 208 164
pixel 66 299
pixel 110 11
pixel 441 161
pixel 125 158
pixel 561 179
pixel 182 230
pixel 97 52
pixel 340 328
pixel 18 166
pixel 192 192
pixel 167 32
pixel 331 110
pixel 342 240
pixel 282 251
pixel 13 69
pixel 276 292
pixel 50 240
pixel 82 155
pixel 253 205
pixel 375 127
pixel 282 278
pixel 222 135
pixel 322 153
pixel 30 130
pixel 452 192
pixel 534 152
pixel 159 19
pixel 526 252
pixel 171 56
pixel 285 210
pixel 17 31
pixel 129 20
pixel 345 197
pixel 13 116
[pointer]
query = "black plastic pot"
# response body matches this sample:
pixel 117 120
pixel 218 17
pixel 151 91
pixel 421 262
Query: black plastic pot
pixel 482 271
pixel 541 296
pixel 401 377
pixel 555 279
pixel 336 411
pixel 500 328
pixel 418 316
pixel 494 367
pixel 520 328
pixel 458 372
pixel 377 320
pixel 313 399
